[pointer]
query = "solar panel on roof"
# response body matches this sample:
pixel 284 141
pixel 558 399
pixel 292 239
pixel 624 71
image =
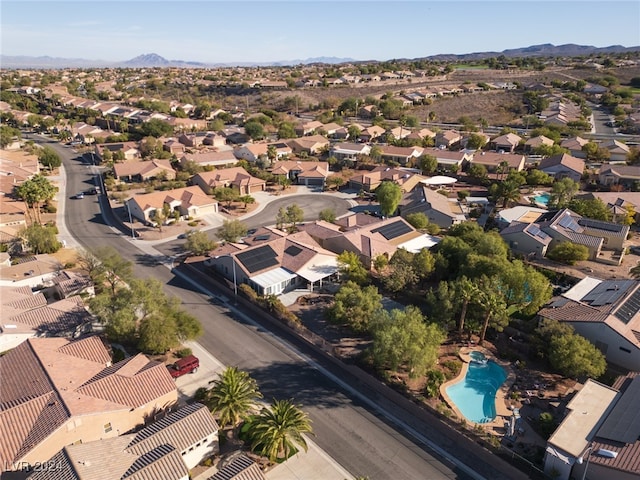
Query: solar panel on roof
pixel 263 237
pixel 393 230
pixel 293 250
pixel 606 226
pixel 258 258
pixel 623 423
pixel 629 308
pixel 533 230
pixel 568 222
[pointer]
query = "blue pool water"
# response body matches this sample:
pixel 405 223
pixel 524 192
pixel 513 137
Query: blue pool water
pixel 475 395
pixel 542 198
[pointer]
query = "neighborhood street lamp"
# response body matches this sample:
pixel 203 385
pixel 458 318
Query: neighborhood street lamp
pixel 580 460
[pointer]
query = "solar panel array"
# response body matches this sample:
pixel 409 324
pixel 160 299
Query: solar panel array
pixel 258 258
pixel 569 223
pixel 393 230
pixel 623 423
pixel 629 308
pixel 293 250
pixel 536 232
pixel 607 292
pixel 606 226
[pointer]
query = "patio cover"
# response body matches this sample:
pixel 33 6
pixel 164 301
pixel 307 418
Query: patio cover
pixel 321 266
pixel 439 180
pixel 273 277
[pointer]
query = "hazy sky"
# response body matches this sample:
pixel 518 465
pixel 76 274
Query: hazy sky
pixel 262 31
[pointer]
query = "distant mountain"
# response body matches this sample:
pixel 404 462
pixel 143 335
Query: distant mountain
pixel 151 60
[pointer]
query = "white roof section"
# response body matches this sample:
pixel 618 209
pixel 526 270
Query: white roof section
pixel 439 180
pixel 321 266
pixel 416 244
pixel 273 277
pixel 587 411
pixel 513 214
pixel 580 289
pixel 478 200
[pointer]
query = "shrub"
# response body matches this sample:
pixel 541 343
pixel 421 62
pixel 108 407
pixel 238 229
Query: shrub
pixel 452 367
pixel 184 352
pixel 435 378
pixel 200 395
pixel 248 292
pixel 48 208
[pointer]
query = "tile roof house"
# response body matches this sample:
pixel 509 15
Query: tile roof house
pixel 607 313
pixel 444 212
pixel 493 160
pixel 526 239
pixel 189 202
pixel 617 202
pixel 56 392
pixel 370 180
pixel 506 143
pixel 173 146
pixel 447 158
pixel 302 173
pixel 574 145
pixel 308 128
pixel 563 166
pixel 618 151
pixel 447 138
pixel 349 151
pixel 567 226
pixel 625 175
pixel 538 141
pixel 166 449
pixel 209 158
pixel 275 264
pixel 129 150
pixel 371 133
pixel 369 240
pixel 235 177
pixel 312 145
pixel 400 155
pixel 254 151
pixel 145 170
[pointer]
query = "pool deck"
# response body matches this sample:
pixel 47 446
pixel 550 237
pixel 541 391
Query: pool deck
pixel 502 399
pixel 531 198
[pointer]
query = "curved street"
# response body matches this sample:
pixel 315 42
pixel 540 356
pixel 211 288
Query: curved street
pixel 364 434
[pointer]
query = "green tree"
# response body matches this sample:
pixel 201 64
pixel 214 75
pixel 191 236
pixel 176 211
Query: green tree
pixel 231 230
pixel 355 306
pixel 350 268
pixel 507 191
pixel 525 288
pixel 569 253
pixel 295 216
pixel 354 132
pixel 493 305
pixel 574 356
pixel 417 220
pixel 388 195
pixel 428 164
pixel 277 432
pixel 538 177
pixel 562 192
pixel 232 396
pixel 254 129
pixel 157 334
pixel 477 170
pixel 590 208
pixel 34 192
pixel 328 215
pixel 476 141
pixel 402 338
pixel 246 200
pixel 335 182
pixel 156 128
pixel 595 153
pixel 41 239
pixel 199 243
pixel 226 195
pixel 8 134
pixel 286 130
pixel 116 270
pixel 48 157
pixel 465 291
pixel 423 264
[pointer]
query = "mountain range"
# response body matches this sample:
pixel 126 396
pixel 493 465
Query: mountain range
pixel 151 60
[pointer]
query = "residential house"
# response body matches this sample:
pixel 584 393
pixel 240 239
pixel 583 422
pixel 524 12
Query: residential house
pixel 13 213
pixel 618 151
pixel 254 151
pixel 368 111
pixel 276 264
pixel 567 226
pixel 371 133
pixel 331 129
pixel 311 145
pixel 308 128
pixel 188 202
pixel 575 445
pixel 192 140
pixel 607 313
pixel 173 146
pixel 368 181
pixel 626 175
pixel 574 145
pixel 167 448
pixel 302 173
pixel 235 177
pixel 129 150
pixel 81 132
pixel 208 158
pixel 618 203
pixel 349 151
pixel 383 237
pixel 447 138
pixel 538 141
pixel 400 132
pixel 526 239
pixel 447 158
pixel 215 140
pixel 439 209
pixel 57 393
pixel 400 155
pixel 421 134
pixel 563 166
pixel 506 143
pixel 143 171
pixel 494 161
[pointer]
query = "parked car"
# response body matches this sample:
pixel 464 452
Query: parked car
pixel 79 196
pixel 635 250
pixel 91 191
pixel 188 364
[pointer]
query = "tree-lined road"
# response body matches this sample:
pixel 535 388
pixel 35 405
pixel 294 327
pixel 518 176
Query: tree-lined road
pixel 356 435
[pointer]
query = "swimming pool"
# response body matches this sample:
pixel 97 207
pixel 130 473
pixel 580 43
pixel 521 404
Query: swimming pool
pixel 542 198
pixel 475 395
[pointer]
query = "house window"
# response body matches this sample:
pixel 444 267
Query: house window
pixel 626 350
pixel 107 427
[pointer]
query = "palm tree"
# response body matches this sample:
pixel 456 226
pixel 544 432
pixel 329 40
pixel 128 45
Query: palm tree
pixel 277 431
pixel 466 291
pixel 232 396
pixel 493 304
pixel 635 271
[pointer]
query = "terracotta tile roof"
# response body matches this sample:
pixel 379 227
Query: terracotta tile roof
pixel 20 300
pixel 187 196
pixel 210 157
pixel 228 176
pixel 54 319
pixel 572 163
pixel 494 159
pixel 142 168
pixel 283 167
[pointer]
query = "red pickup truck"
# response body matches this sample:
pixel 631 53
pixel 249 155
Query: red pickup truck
pixel 188 364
